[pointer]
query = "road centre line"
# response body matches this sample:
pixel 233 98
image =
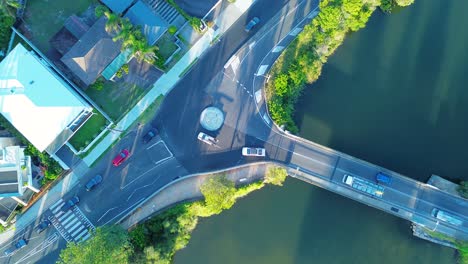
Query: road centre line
pixel 146 172
pixel 106 213
pixel 139 201
pixel 143 187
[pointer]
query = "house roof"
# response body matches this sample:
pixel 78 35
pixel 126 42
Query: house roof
pixel 117 6
pixel 76 26
pixel 153 26
pixel 34 100
pixel 92 53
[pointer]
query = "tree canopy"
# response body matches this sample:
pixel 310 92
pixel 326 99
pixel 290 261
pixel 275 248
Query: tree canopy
pixel 404 2
pixel 276 175
pixel 219 194
pixel 108 245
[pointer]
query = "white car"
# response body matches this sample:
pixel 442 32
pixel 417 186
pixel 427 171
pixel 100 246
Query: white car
pixel 207 139
pixel 258 152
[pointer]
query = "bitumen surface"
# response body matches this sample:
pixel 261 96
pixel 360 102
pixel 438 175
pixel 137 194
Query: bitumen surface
pixel 233 88
pixel 150 166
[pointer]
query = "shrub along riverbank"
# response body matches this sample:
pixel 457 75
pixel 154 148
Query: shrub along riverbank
pixel 301 63
pixel 158 239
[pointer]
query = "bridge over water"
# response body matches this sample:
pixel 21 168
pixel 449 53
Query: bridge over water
pixel 403 197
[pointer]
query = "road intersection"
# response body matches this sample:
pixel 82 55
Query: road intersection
pixel 230 77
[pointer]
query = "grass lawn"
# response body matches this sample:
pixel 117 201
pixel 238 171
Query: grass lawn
pixel 88 131
pixel 116 99
pixel 166 45
pixel 44 18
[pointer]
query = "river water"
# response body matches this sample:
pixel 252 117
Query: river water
pixel 393 94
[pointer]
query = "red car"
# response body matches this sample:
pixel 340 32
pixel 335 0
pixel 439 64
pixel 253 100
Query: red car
pixel 121 157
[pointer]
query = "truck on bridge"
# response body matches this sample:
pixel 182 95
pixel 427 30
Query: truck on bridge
pixel 364 186
pixel 446 217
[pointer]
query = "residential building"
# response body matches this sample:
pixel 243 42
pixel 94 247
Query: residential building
pixel 117 6
pixel 38 103
pixel 16 183
pixel 93 52
pixel 152 25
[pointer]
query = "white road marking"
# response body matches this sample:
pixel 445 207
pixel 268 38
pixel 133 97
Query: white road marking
pixel 69 217
pixel 106 213
pixel 71 223
pixel 228 63
pixel 139 201
pixel 258 95
pixel 62 218
pixel 252 45
pixel 278 49
pixel 262 70
pixel 266 118
pixel 55 204
pixel 313 14
pixel 77 230
pixel 51 239
pixel 80 235
pixel 295 32
pixel 74 227
pixel 85 238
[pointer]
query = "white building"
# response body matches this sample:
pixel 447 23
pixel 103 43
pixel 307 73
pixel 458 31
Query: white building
pixel 15 177
pixel 37 102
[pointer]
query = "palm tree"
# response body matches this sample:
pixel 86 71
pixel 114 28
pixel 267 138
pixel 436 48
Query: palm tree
pixel 145 52
pixel 113 21
pixel 130 41
pixel 6 6
pixel 124 31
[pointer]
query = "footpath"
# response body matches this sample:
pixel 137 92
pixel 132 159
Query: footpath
pixel 167 81
pixel 188 189
pixel 223 21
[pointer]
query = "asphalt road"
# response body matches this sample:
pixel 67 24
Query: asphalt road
pixel 232 87
pixel 175 152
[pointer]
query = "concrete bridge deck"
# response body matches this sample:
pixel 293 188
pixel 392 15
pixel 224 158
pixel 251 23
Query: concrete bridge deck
pixel 403 197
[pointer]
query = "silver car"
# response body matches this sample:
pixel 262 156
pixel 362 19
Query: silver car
pixel 207 139
pixel 257 152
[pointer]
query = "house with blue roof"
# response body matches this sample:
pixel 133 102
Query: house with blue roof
pixel 153 26
pixel 118 6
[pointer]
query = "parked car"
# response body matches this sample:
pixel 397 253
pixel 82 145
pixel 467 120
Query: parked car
pixel 19 245
pixel 70 203
pixel 150 135
pixel 252 23
pixel 383 178
pixel 207 139
pixel 121 157
pixel 43 226
pixel 258 152
pixel 93 182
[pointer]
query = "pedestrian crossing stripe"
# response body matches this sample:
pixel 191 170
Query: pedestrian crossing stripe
pixel 72 225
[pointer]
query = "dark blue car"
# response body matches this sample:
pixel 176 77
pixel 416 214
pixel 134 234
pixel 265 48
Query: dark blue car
pixel 383 178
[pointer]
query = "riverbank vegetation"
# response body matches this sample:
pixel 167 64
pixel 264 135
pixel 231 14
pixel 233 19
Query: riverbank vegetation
pixel 110 244
pixel 301 63
pixel 462 246
pixel 159 238
pixel 463 189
